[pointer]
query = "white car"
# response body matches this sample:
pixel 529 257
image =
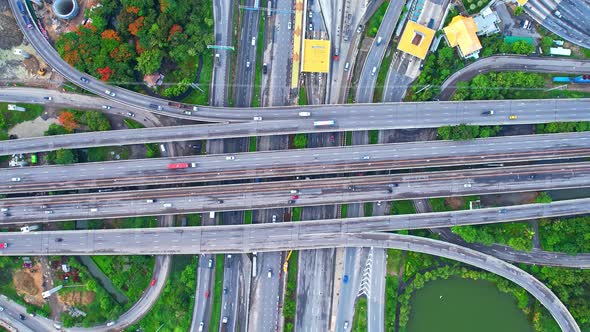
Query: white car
pixel 111 323
pixel 106 107
pixel 257 118
pixel 253 41
pixel 230 158
pixel 48 98
pixel 110 93
pixel 15 179
pixel 201 326
pixel 467 185
pixel 289 26
pixel 1 309
pixel 274 218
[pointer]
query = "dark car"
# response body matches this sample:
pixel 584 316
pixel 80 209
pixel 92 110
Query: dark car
pixel 59 239
pixel 532 176
pixel 84 79
pixel 264 68
pixel 291 201
pixel 22 317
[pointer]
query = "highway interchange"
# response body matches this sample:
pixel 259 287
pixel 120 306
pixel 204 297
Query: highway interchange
pixel 362 117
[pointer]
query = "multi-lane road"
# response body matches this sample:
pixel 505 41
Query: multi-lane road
pixel 187 240
pixel 313 192
pixel 348 117
pixel 280 163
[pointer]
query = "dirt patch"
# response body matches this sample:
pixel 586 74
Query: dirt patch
pixel 456 203
pixel 74 298
pixel 509 199
pixel 11 34
pixel 30 284
pixel 35 128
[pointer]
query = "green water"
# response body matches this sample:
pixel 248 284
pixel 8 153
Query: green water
pixel 466 306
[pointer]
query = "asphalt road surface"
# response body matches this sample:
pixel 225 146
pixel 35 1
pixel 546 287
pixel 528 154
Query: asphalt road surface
pixel 359 117
pixel 311 193
pixel 573 23
pixel 93 243
pixel 349 159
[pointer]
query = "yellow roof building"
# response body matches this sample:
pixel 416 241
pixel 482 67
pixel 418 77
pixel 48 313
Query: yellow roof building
pixel 416 40
pixel 316 56
pixel 462 32
pixel 522 2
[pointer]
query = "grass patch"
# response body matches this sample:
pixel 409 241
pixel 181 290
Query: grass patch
pixel 402 207
pixel 196 96
pixel 343 210
pixel 12 118
pixel 302 96
pixel 368 209
pixel 348 138
pixel 130 274
pixel 132 124
pixel 193 219
pixel 259 58
pixel 439 204
pixel 253 145
pixel 248 217
pixel 106 153
pixel 360 315
pixel 382 76
pixel 290 292
pixel 376 19
pixel 296 214
pixel 218 288
pixel 391 284
pixel 373 136
pixel 174 308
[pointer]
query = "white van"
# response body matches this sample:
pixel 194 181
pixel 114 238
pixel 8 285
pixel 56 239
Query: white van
pixel 212 214
pixel 304 114
pixel 373 71
pixel 347 66
pixel 162 148
pixel 167 205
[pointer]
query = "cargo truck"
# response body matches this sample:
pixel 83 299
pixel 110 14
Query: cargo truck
pixel 324 123
pixel 181 165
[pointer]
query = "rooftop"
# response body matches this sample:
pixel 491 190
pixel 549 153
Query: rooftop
pixel 416 40
pixel 462 32
pixel 316 56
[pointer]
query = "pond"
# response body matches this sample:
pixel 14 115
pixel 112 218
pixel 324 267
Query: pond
pixel 465 305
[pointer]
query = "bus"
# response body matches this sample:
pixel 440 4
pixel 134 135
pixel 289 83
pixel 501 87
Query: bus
pixel 324 123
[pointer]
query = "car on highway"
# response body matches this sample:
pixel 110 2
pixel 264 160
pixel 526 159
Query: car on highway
pixel 532 176
pixel 201 326
pixel 48 211
pixel 269 274
pixel 310 14
pixel 366 157
pixel 3 245
pixel 131 114
pixel 345 278
pixel 332 138
pixel 247 64
pixel 253 41
pixel 502 211
pixel 379 203
pixel 153 282
pixel 210 263
pixel 264 68
pixel 111 323
pixel 310 26
pixel 106 107
pixel 513 117
pixel 84 79
pixel 156 107
pixel 22 317
pixel 345 325
pixel 230 157
pixel 304 113
pixel 219 201
pixel 110 93
pixel 15 179
pixel 257 118
pixel 294 191
pixel 58 239
pixel 1 308
pixel 274 218
pixel 467 185
pixel 291 201
pixel 295 197
pixel 289 26
pixel 187 113
pixel 207 294
pixel 351 188
pixel 359 29
pixel 373 71
pixel 48 98
pixel 490 112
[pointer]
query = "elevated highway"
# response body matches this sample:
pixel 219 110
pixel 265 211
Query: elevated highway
pixel 281 163
pixel 323 191
pixel 353 117
pixel 180 241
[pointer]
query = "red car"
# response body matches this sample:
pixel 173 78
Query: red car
pixel 207 294
pixel 153 282
pixel 3 245
pixel 295 197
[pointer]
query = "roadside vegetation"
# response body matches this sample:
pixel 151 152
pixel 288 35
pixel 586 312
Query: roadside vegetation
pixel 125 38
pixel 375 21
pixel 9 119
pixel 217 293
pixel 289 306
pixel 360 315
pixel 130 274
pixel 174 308
pixel 256 95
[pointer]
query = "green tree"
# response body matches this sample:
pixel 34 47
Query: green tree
pixel 518 11
pixel 300 141
pixel 65 157
pixel 149 61
pixel 543 197
pixel 522 47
